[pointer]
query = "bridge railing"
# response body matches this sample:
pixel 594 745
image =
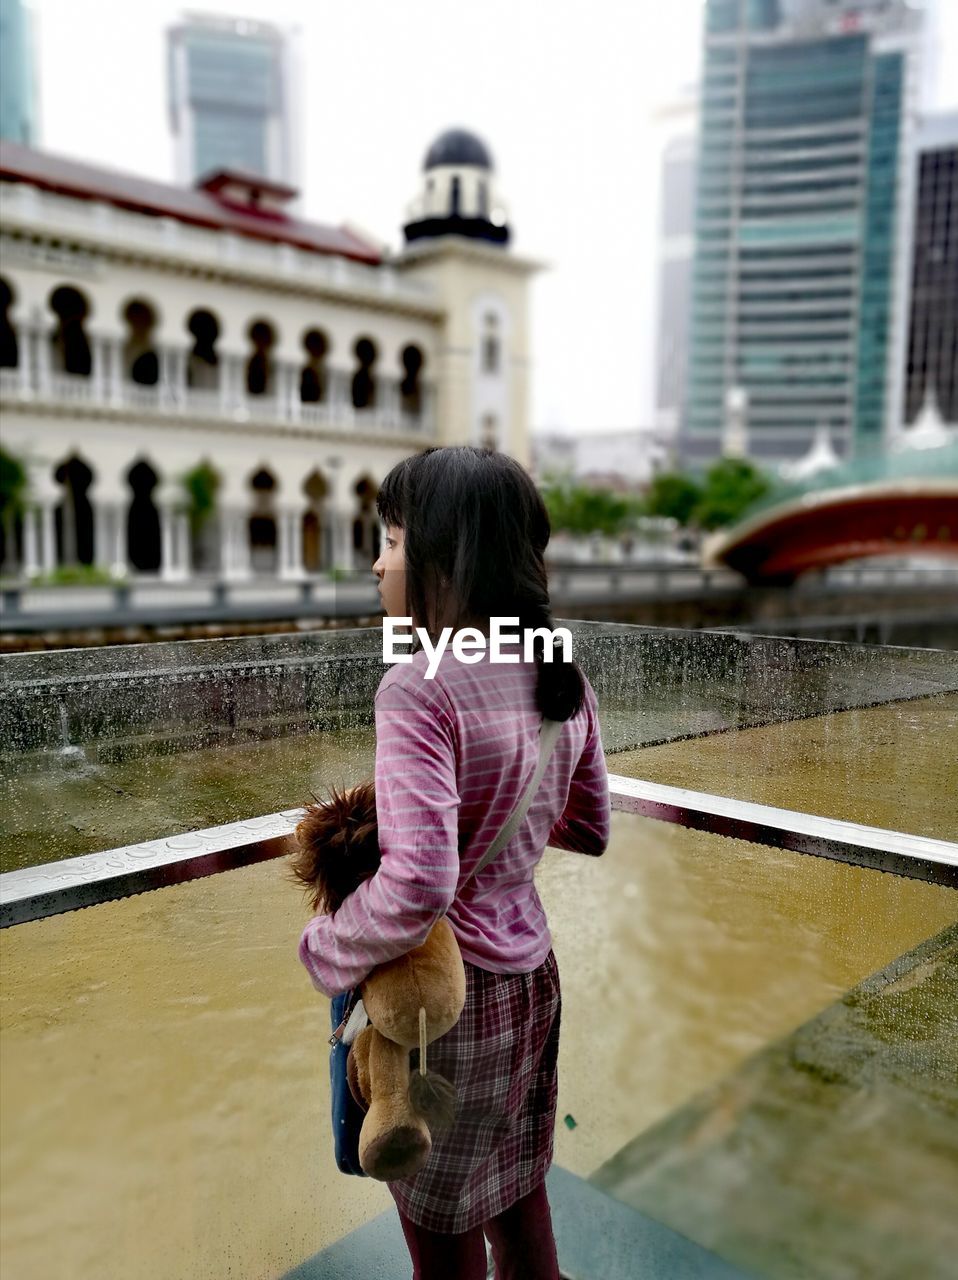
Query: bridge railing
pixel 146 600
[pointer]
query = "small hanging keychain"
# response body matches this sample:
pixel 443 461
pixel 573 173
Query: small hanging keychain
pixel 354 1020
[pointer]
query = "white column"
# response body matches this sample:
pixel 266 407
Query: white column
pixel 235 541
pixel 119 567
pixel 290 525
pixel 48 537
pixel 172 377
pixel 42 338
pixel 167 567
pixel 99 376
pixel 242 547
pixel 292 409
pixel 182 539
pixel 109 548
pixel 26 348
pixel 31 559
pixel 112 351
pixel 341 521
pixel 226 378
pixel 232 390
pixel 102 529
pixel 282 543
pixel 225 545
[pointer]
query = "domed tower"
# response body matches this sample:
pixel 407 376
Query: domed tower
pixel 458 195
pixel 457 247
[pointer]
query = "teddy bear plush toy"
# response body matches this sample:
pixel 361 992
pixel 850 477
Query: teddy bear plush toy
pixel 409 1001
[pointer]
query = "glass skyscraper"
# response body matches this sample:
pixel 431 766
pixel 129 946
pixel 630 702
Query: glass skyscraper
pixel 932 367
pixel 17 106
pixel 230 91
pixel 799 277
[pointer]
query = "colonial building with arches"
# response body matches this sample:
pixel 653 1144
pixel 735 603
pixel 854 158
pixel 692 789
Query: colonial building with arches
pixel 194 381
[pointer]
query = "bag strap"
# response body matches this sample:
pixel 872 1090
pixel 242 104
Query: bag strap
pixel 549 731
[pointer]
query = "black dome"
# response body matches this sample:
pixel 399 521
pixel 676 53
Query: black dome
pixel 458 146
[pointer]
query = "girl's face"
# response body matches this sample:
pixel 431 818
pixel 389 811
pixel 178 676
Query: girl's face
pixel 390 569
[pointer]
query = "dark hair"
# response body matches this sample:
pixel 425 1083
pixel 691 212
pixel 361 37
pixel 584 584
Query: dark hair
pixel 475 525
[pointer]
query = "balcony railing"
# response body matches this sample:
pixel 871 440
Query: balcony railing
pixel 390 413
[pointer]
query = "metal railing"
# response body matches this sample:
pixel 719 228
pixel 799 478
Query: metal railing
pixel 91 879
pixel 148 600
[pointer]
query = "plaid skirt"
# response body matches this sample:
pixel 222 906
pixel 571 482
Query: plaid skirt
pixel 502 1056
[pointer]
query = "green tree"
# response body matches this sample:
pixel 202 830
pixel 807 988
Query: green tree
pixel 13 493
pixel 13 486
pixel 673 494
pixel 731 485
pixel 579 510
pixel 201 485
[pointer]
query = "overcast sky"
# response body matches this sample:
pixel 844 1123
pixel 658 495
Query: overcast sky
pixel 564 93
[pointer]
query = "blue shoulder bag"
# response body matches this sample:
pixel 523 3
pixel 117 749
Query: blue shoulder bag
pixel 348 1115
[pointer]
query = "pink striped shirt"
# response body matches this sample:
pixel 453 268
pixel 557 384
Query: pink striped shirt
pixel 453 756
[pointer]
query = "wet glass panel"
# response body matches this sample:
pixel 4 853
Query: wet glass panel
pixel 120 745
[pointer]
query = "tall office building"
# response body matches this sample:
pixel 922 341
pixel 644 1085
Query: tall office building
pixel 802 224
pixel 231 94
pixel 932 368
pixel 17 97
pixel 676 248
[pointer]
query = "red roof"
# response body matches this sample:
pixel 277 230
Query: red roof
pixel 199 208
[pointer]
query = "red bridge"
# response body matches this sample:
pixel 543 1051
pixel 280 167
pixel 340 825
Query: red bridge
pixel 881 507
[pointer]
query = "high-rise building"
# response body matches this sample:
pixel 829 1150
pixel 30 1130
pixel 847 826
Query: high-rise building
pixel 676 250
pixel 231 95
pixel 802 224
pixel 932 366
pixel 17 99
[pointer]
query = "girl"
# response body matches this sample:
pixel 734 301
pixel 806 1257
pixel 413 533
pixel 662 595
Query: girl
pixel 465 534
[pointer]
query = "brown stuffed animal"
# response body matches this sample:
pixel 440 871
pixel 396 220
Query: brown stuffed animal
pixel 410 1001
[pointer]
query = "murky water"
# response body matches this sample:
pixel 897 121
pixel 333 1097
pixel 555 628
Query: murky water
pixel 163 1073
pixel 890 766
pixel 164 1063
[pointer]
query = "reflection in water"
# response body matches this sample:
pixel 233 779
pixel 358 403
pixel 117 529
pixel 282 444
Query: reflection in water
pixel 164 1095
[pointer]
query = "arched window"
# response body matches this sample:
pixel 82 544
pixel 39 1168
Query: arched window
pixel 489 432
pixel 366 538
pixel 9 354
pixel 455 193
pixel 74 513
pixel 71 347
pixel 143 520
pixel 312 381
pixel 410 387
pixel 140 361
pixel 259 368
pixel 364 380
pixel 490 343
pixel 316 537
pixel 262 523
pixel 201 367
pixel 483 199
